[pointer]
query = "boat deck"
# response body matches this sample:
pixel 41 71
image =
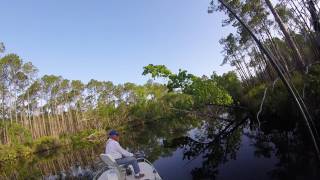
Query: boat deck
pixel 149 173
pixel 147 170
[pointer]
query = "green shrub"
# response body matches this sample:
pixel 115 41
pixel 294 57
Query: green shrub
pixel 278 102
pixel 230 82
pixel 96 136
pixel 178 101
pixel 80 140
pixel 7 153
pixel 17 134
pixel 23 151
pixel 46 143
pixel 208 92
pixel 312 89
pixel 252 98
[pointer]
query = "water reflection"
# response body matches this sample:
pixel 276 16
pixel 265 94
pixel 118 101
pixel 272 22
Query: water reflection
pixel 208 144
pixel 215 143
pixel 61 164
pixel 288 141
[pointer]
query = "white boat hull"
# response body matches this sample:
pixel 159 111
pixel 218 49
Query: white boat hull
pixel 112 171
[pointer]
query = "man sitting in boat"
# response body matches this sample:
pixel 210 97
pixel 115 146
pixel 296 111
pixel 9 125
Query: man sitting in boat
pixel 121 156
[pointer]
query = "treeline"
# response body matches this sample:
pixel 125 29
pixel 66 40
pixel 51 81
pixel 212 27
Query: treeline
pixel 289 29
pixel 34 107
pixel 52 106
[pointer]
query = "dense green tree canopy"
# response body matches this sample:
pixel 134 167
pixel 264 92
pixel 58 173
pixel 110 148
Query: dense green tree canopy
pixel 203 90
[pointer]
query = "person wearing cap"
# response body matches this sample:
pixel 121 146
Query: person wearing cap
pixel 121 156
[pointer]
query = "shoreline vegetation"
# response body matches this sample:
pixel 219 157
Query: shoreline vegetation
pixel 41 114
pixel 24 144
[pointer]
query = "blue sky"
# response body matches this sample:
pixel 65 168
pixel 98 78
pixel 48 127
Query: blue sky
pixel 113 39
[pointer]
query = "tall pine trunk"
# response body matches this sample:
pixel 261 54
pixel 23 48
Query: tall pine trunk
pixel 315 21
pixel 296 53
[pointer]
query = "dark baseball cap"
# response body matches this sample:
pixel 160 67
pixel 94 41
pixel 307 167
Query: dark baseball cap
pixel 113 133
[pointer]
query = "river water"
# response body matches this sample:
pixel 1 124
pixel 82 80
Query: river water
pixel 229 146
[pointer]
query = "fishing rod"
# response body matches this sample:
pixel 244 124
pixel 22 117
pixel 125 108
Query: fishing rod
pixel 272 61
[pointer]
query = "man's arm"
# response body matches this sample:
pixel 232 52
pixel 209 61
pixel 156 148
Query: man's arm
pixel 123 151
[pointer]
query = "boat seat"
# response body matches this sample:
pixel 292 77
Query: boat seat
pixel 108 159
pixel 111 163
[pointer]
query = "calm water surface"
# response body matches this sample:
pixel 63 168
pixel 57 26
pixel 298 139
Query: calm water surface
pixel 231 147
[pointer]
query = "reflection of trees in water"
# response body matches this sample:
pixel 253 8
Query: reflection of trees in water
pixel 222 136
pixel 289 143
pixel 70 164
pixel 219 138
pixel 149 137
pixel 81 163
